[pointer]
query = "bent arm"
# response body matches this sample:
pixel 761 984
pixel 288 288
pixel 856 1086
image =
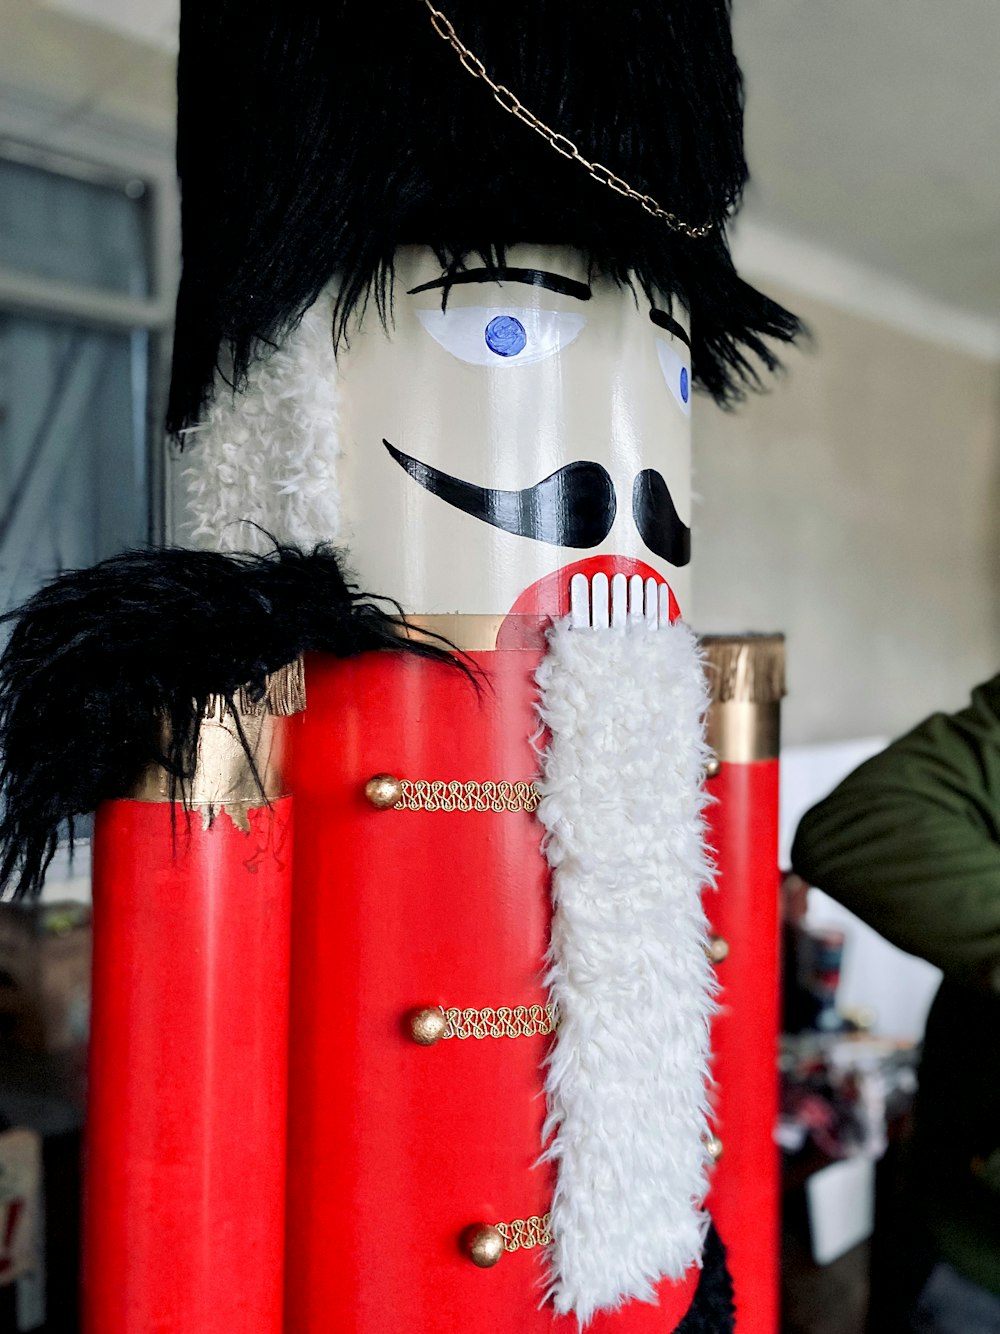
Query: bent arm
pixel 910 841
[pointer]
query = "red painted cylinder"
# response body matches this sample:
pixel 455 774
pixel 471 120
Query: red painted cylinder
pixel 744 1201
pixel 185 1160
pixel 395 1149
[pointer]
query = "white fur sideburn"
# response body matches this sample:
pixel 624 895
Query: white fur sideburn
pixel 268 455
pixel 622 804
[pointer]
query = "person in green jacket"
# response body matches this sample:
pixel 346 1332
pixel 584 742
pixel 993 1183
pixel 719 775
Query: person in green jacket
pixel 910 842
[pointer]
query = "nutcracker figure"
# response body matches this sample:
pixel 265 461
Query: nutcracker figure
pixel 399 752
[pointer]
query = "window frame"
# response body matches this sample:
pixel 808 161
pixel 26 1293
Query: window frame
pixel 106 152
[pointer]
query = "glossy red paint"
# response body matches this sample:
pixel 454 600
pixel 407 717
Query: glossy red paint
pixel 745 1193
pixel 395 1149
pixel 185 1171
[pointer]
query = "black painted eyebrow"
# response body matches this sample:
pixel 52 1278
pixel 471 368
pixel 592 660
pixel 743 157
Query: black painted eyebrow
pixel 555 282
pixel 664 321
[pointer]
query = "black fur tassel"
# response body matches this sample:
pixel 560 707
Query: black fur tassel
pixel 713 1310
pixel 314 140
pixel 99 658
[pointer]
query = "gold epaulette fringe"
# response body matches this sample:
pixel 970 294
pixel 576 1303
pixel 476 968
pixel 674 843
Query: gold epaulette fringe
pixel 747 669
pixel 284 695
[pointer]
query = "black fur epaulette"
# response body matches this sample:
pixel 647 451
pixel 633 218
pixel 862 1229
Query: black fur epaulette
pixel 110 669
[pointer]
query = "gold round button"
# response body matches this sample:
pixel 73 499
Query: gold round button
pixel 717 949
pixel 484 1245
pixel 713 1147
pixel 383 791
pixel 428 1026
pixel 713 767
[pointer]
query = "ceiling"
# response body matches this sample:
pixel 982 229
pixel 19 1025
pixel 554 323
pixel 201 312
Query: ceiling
pixel 152 21
pixel 873 127
pixel 873 130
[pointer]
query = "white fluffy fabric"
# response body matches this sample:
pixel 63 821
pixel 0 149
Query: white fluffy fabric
pixel 627 1081
pixel 269 454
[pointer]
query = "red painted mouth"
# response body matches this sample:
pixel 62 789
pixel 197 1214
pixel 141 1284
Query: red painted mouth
pixel 547 599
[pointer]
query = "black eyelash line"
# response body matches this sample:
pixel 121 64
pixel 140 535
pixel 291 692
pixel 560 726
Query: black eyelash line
pixel 664 321
pixel 554 282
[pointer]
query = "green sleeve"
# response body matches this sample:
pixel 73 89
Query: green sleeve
pixel 910 841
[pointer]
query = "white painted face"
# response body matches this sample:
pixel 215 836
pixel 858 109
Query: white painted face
pixel 535 423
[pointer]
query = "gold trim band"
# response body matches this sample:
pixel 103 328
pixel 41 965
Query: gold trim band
pixel 239 763
pixel 469 632
pixel 514 1021
pixel 436 794
pixel 746 681
pixel 742 733
pixel 524 1234
pixel 474 632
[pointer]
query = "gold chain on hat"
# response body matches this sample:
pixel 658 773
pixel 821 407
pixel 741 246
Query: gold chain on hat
pixel 564 146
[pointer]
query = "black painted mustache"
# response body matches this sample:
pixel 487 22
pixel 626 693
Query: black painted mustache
pixel 574 507
pixel 657 519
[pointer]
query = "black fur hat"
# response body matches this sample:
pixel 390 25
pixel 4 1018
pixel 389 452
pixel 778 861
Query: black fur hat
pixel 313 140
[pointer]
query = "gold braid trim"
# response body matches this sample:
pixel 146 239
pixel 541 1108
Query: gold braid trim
pixel 515 1021
pixel 523 1234
pixel 436 794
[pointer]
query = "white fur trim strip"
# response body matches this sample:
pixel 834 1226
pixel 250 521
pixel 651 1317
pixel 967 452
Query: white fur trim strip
pixel 269 454
pixel 626 1084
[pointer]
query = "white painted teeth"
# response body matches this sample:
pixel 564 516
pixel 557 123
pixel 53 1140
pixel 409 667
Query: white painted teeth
pixel 579 601
pixel 600 599
pixel 664 593
pixel 652 605
pixel 627 603
pixel 619 601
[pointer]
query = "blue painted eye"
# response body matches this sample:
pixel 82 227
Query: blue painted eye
pixel 676 372
pixel 505 336
pixel 499 338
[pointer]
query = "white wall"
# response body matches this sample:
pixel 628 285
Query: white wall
pixel 855 507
